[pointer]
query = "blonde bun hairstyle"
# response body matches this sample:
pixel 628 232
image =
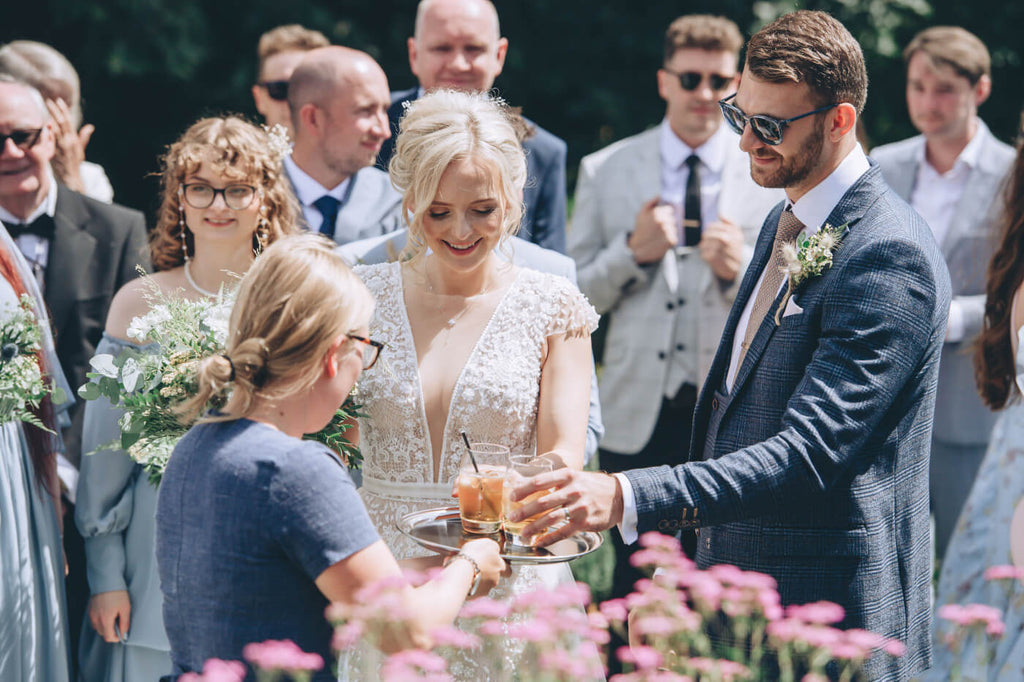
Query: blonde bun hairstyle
pixel 292 305
pixel 445 126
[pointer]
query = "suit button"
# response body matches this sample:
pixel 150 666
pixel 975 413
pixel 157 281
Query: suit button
pixel 681 301
pixel 714 404
pixel 661 355
pixel 680 347
pixel 670 305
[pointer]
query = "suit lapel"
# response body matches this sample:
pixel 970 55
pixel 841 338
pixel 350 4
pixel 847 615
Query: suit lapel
pixel 647 184
pixel 71 252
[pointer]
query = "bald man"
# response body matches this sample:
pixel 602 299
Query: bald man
pixel 338 98
pixel 457 44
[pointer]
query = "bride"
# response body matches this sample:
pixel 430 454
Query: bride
pixel 475 344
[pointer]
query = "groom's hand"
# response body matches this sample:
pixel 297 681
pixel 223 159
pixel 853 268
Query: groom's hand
pixel 577 501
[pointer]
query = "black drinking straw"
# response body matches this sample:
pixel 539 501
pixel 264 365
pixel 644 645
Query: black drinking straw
pixel 465 439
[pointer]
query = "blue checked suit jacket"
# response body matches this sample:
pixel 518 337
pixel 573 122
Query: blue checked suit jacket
pixel 815 468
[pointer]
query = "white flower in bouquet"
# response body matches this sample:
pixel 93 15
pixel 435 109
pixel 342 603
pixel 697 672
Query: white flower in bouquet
pixel 22 385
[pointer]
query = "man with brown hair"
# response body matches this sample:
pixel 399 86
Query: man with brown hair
pixel 661 234
pixel 809 454
pixel 953 174
pixel 279 51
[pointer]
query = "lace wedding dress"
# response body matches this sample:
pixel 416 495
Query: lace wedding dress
pixel 494 400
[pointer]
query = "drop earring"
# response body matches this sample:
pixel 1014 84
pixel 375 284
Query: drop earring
pixel 181 233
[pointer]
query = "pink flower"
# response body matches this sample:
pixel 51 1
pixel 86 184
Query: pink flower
pixel 615 610
pixel 894 647
pixel 864 639
pixel 281 655
pixel 820 612
pixel 216 670
pixel 346 636
pixel 406 664
pixel 820 637
pixel 847 651
pixel 454 637
pixel 484 608
pixel 995 628
pixel 656 625
pixel 643 657
pixel 954 613
pixel 530 631
pixel 814 677
pixel 492 628
pixel 1004 572
pixel 726 573
pixel 666 543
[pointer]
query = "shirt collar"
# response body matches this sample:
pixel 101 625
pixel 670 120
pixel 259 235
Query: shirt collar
pixel 309 190
pixel 814 207
pixel 969 156
pixel 674 151
pixel 48 205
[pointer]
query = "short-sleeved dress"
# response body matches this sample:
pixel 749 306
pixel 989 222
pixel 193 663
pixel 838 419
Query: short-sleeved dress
pixel 495 399
pixel 247 518
pixel 115 513
pixel 33 622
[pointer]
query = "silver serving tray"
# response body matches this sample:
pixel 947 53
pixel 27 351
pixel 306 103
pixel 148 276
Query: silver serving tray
pixel 441 531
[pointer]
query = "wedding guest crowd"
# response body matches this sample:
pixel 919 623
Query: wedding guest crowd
pixel 800 422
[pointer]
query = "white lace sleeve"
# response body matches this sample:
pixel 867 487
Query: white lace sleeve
pixel 570 312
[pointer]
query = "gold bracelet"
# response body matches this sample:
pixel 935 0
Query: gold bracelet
pixel 473 563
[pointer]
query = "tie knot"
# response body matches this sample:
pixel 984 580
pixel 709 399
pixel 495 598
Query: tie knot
pixel 789 227
pixel 692 161
pixel 327 204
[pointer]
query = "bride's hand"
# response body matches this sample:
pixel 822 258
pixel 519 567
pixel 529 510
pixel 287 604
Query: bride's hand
pixel 485 552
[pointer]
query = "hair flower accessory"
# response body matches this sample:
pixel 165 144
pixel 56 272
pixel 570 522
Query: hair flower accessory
pixel 280 146
pixel 808 257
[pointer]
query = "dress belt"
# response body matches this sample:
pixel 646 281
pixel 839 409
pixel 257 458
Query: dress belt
pixel 431 491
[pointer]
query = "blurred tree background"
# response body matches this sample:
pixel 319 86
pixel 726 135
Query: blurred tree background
pixel 582 69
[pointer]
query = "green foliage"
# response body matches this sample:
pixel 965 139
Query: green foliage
pixel 22 385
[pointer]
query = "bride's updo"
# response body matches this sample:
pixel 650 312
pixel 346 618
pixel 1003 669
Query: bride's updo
pixel 445 126
pixel 293 303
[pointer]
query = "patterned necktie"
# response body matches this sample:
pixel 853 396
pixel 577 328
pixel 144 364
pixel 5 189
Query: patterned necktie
pixel 789 229
pixel 328 207
pixel 691 203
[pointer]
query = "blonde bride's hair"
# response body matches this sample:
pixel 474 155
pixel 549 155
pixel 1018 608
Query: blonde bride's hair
pixel 293 303
pixel 445 126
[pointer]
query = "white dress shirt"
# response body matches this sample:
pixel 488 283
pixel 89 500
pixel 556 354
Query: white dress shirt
pixel 308 190
pixel 813 208
pixel 35 249
pixel 675 173
pixel 935 197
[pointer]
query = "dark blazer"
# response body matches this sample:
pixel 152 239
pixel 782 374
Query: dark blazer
pixel 95 250
pixel 544 195
pixel 815 468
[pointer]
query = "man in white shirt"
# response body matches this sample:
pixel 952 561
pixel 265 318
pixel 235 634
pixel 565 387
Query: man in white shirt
pixel 339 100
pixel 663 228
pixel 809 454
pixel 953 174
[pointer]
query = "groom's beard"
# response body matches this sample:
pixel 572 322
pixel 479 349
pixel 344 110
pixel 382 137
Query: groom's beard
pixel 793 171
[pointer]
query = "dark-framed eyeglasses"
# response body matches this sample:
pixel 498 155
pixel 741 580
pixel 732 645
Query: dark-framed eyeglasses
pixel 201 195
pixel 277 90
pixel 691 80
pixel 371 349
pixel 766 128
pixel 22 139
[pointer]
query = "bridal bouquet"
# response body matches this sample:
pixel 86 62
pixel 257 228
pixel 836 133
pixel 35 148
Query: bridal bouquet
pixel 22 385
pixel 151 382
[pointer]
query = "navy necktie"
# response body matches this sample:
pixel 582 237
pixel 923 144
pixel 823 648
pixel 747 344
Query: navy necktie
pixel 691 203
pixel 328 207
pixel 43 227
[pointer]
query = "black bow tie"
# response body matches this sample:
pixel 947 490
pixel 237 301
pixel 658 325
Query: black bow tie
pixel 43 227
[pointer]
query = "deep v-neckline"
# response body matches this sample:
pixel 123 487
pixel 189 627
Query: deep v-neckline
pixel 433 470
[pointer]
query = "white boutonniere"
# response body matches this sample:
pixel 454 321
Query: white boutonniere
pixel 808 257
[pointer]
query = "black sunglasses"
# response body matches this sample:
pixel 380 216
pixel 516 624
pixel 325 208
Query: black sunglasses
pixel 766 128
pixel 371 349
pixel 691 80
pixel 22 139
pixel 278 90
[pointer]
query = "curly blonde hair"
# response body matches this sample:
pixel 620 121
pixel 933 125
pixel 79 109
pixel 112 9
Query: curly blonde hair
pixel 445 126
pixel 238 149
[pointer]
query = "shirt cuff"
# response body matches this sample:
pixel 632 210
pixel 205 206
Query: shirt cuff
pixel 627 527
pixel 955 324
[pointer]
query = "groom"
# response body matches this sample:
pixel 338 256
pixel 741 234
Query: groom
pixel 809 455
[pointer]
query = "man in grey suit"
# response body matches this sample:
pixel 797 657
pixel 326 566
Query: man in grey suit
pixel 953 174
pixel 661 235
pixel 338 99
pixel 388 248
pixel 457 44
pixel 809 455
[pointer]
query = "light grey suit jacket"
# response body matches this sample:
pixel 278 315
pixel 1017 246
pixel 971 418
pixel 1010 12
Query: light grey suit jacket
pixel 613 186
pixel 373 208
pixel 387 248
pixel 960 416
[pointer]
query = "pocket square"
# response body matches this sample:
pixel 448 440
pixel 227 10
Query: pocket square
pixel 791 309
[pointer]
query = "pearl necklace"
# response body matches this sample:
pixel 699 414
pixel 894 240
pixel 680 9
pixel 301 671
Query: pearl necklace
pixel 192 283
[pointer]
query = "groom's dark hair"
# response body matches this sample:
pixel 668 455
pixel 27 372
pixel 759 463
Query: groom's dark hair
pixel 814 48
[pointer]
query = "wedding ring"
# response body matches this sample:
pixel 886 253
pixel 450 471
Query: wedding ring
pixel 568 516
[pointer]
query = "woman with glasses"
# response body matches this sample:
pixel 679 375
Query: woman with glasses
pixel 475 344
pixel 225 198
pixel 259 530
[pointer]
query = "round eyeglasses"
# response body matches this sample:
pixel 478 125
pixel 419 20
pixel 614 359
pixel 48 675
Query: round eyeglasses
pixel 766 128
pixel 371 349
pixel 201 195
